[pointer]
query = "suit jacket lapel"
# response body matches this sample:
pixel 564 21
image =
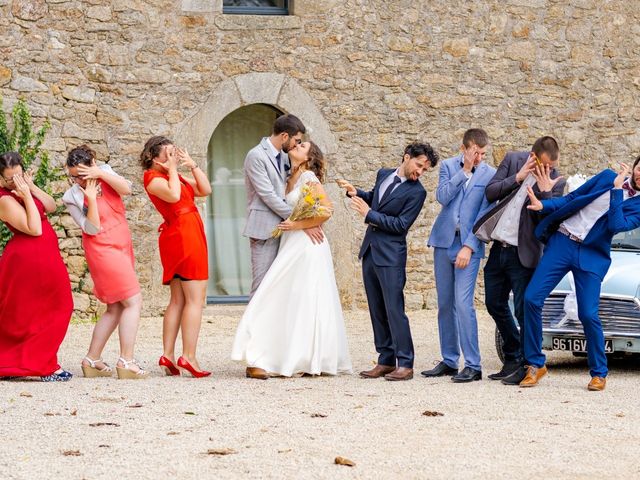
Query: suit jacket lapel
pixel 272 158
pixel 400 188
pixel 474 178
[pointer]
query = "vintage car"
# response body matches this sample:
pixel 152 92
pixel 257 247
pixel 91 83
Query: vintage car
pixel 619 306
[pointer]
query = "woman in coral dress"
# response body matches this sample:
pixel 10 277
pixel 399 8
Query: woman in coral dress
pixel 95 203
pixel 183 247
pixel 35 292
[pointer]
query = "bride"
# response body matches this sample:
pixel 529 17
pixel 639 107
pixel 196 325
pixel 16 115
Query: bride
pixel 294 323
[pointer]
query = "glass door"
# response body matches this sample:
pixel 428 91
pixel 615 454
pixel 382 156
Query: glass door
pixel 229 255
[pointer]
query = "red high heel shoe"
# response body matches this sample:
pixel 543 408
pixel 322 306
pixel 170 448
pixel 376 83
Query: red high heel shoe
pixel 187 367
pixel 168 366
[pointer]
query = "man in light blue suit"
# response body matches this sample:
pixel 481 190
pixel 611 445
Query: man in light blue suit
pixel 457 255
pixel 577 230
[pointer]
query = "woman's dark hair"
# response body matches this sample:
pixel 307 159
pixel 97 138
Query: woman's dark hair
pixel 9 160
pixel 288 124
pixel 315 161
pixel 81 155
pixel 416 149
pixel 152 150
pixel 546 145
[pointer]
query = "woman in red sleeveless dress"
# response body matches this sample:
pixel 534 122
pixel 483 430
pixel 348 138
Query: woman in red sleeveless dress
pixel 183 247
pixel 35 292
pixel 95 204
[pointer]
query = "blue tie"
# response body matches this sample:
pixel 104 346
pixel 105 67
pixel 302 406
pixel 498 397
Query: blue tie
pixel 278 162
pixel 387 193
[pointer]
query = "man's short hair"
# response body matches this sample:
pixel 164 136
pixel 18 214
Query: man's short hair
pixel 288 124
pixel 477 136
pixel 546 145
pixel 416 149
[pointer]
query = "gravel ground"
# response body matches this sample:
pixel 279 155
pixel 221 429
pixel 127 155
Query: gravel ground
pixel 294 428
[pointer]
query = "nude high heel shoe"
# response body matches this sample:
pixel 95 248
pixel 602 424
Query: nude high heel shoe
pixel 125 373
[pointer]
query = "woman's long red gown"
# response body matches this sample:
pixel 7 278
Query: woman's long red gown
pixel 35 301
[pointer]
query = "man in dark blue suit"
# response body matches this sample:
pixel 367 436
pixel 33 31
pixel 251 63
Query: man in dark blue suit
pixel 577 231
pixel 389 210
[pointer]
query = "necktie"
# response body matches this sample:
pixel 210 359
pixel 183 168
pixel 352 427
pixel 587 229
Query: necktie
pixel 387 193
pixel 278 162
pixel 473 169
pixel 627 186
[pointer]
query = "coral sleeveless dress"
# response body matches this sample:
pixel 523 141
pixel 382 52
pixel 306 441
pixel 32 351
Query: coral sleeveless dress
pixel 109 253
pixel 182 242
pixel 35 301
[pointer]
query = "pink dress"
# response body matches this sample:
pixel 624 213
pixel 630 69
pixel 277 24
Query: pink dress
pixel 109 253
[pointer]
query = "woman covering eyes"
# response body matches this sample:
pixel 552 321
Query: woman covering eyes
pixel 95 203
pixel 183 247
pixel 35 293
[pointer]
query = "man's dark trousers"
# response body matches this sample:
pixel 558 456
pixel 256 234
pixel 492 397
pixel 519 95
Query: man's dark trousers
pixel 504 273
pixel 391 331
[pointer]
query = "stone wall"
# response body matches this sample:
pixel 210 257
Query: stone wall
pixel 372 75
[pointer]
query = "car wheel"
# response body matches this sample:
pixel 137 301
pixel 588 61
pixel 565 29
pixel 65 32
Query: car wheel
pixel 499 344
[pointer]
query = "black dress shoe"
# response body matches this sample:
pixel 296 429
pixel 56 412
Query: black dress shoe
pixel 440 370
pixel 516 377
pixel 507 369
pixel 467 374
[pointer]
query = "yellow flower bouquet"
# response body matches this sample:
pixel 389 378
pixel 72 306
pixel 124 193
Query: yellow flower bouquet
pixel 309 206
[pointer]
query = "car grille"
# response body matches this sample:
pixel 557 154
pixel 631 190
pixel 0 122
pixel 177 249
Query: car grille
pixel 619 317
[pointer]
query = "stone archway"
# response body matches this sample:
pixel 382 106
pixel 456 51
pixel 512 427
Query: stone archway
pixel 287 95
pixel 274 89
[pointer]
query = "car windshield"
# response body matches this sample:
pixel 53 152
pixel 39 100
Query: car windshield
pixel 626 240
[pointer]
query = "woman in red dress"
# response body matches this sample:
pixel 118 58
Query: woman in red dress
pixel 183 247
pixel 95 203
pixel 35 293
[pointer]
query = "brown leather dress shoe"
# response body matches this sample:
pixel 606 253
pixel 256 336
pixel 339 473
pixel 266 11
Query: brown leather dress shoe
pixel 399 374
pixel 597 384
pixel 533 376
pixel 255 372
pixel 377 371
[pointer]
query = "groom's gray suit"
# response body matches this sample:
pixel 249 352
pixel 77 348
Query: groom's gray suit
pixel 265 180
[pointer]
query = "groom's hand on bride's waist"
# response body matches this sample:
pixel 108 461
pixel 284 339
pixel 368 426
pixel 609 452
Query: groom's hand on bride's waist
pixel 315 234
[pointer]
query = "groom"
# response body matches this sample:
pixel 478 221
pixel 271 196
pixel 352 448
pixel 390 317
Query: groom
pixel 390 209
pixel 265 170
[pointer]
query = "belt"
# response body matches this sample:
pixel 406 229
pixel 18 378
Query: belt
pixel 567 233
pixel 504 244
pixel 175 214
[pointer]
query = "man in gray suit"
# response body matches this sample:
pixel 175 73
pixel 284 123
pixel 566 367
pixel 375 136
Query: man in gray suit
pixel 266 169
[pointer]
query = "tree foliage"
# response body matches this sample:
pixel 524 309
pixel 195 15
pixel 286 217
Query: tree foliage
pixel 20 135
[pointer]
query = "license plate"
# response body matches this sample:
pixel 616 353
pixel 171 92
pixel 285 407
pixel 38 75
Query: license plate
pixel 577 344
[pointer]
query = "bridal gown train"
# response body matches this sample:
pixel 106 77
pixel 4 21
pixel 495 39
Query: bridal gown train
pixel 294 322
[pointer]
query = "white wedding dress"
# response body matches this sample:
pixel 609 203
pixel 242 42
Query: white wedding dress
pixel 294 323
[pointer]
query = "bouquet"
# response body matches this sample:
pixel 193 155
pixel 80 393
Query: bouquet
pixel 308 206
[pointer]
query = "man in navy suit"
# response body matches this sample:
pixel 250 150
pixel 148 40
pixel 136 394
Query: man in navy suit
pixel 389 210
pixel 457 254
pixel 577 231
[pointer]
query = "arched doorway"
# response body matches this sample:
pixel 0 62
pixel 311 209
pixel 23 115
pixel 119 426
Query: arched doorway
pixel 229 256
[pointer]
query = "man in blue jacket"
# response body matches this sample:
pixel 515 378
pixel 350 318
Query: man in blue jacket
pixel 457 254
pixel 389 210
pixel 577 231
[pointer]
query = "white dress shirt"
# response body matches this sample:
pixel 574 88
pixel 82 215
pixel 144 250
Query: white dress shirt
pixel 388 181
pixel 581 222
pixel 506 229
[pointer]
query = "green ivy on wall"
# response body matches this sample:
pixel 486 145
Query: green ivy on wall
pixel 25 139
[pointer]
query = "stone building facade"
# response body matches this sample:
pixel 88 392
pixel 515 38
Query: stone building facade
pixel 366 76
